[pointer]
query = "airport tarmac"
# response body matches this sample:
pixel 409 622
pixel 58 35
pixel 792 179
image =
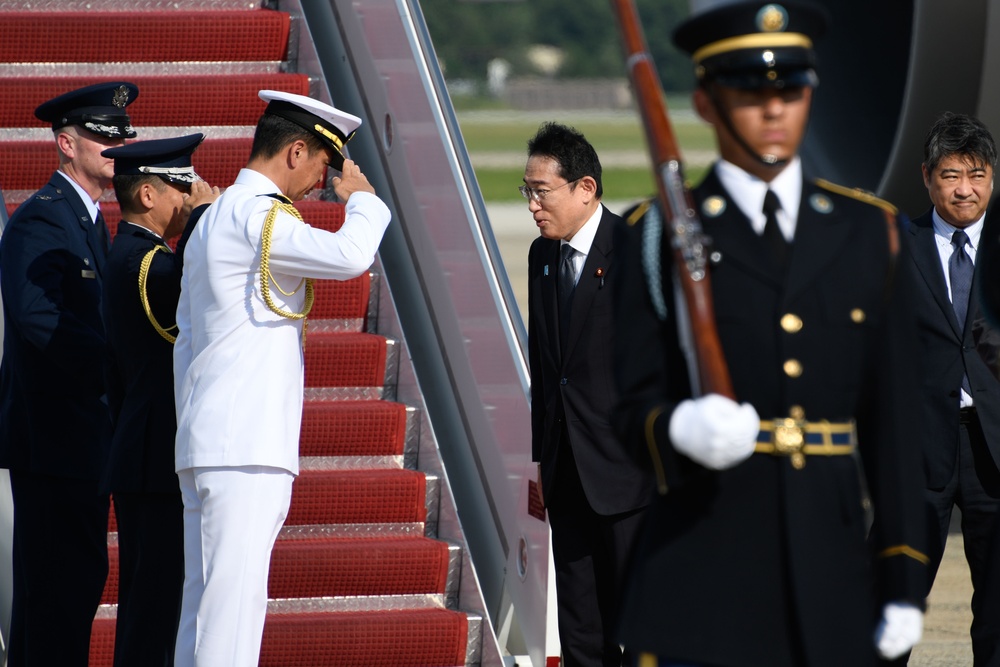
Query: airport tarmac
pixel 946 626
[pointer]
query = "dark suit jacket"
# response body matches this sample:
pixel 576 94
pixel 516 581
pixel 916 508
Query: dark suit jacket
pixel 53 410
pixel 576 385
pixel 738 566
pixel 140 371
pixel 948 352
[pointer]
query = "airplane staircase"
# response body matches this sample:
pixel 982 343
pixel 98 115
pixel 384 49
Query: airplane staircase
pixel 365 571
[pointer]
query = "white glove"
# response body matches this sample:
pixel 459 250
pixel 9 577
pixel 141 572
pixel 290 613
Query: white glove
pixel 899 630
pixel 715 431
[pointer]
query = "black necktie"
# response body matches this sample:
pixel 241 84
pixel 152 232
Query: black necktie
pixel 773 237
pixel 960 268
pixel 567 284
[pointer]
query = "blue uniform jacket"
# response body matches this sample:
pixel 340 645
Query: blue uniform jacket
pixel 53 408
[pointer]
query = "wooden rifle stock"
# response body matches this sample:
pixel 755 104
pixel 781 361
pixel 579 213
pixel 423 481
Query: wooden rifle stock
pixel 690 245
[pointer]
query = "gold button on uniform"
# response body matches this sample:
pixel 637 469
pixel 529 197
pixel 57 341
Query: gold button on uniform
pixel 791 323
pixel 857 315
pixel 793 368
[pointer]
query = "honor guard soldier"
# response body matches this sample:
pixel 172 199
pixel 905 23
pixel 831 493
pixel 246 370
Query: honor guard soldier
pixel 757 551
pixel 54 423
pixel 238 373
pixel 157 189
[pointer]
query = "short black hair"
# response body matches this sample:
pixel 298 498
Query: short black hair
pixel 961 135
pixel 274 133
pixel 570 150
pixel 127 187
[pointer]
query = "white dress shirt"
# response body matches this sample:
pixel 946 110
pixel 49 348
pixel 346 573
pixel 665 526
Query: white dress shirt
pixel 582 240
pixel 748 192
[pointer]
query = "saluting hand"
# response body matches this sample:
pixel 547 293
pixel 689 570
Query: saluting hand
pixel 201 193
pixel 351 180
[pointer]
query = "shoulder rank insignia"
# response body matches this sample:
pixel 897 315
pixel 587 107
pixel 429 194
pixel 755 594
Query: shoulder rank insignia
pixel 44 197
pixel 857 193
pixel 637 213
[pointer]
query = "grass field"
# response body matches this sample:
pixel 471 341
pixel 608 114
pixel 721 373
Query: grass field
pixel 497 143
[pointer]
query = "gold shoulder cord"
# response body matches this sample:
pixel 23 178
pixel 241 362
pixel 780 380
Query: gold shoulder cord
pixel 144 297
pixel 265 271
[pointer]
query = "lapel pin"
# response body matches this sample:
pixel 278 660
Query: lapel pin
pixel 545 270
pixel 599 273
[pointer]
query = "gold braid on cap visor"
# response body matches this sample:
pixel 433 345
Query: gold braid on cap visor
pixel 759 40
pixel 330 135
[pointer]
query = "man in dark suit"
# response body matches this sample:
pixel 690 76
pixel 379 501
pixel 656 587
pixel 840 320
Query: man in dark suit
pixel 54 423
pixel 960 397
pixel 157 189
pixel 755 552
pixel 593 491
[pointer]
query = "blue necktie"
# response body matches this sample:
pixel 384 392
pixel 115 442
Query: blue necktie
pixel 960 268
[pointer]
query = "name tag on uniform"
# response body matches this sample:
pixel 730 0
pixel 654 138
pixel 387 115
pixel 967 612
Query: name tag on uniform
pixel 86 273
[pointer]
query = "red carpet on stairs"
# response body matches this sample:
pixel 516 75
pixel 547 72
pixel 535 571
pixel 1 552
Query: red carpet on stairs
pixel 164 100
pixel 179 36
pixel 357 496
pixel 352 428
pixel 404 638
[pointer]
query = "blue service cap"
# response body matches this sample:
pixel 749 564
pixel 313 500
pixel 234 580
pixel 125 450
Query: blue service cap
pixel 99 108
pixel 753 45
pixel 169 159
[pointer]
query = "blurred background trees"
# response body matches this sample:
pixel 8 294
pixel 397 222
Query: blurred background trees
pixel 549 38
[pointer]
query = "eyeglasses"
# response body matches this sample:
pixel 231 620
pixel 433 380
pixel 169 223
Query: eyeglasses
pixel 538 194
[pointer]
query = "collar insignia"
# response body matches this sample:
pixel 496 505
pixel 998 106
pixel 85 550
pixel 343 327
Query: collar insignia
pixel 821 203
pixel 713 207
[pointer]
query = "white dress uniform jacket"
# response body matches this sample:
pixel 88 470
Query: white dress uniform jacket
pixel 238 367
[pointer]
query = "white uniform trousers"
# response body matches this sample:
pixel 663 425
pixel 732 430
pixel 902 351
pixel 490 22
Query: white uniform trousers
pixel 232 516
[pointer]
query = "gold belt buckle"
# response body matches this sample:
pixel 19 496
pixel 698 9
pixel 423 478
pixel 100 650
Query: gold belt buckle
pixel 790 440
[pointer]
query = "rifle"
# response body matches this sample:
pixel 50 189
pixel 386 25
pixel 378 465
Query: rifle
pixel 689 243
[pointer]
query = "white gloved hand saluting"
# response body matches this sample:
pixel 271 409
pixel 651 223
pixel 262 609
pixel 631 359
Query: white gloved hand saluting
pixel 900 629
pixel 715 431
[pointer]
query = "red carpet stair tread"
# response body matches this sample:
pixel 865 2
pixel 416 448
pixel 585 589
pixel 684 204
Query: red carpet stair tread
pixel 164 100
pixel 180 36
pixel 25 165
pixel 403 638
pixel 389 638
pixel 323 566
pixel 352 428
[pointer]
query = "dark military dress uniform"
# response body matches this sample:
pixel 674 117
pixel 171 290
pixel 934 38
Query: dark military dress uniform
pixel 54 423
pixel 767 564
pixel 140 473
pixel 141 290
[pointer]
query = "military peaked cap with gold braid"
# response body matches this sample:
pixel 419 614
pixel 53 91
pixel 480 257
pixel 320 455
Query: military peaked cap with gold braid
pixel 332 126
pixel 754 45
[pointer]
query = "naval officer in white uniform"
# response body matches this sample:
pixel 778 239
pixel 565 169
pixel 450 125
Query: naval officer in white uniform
pixel 238 365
